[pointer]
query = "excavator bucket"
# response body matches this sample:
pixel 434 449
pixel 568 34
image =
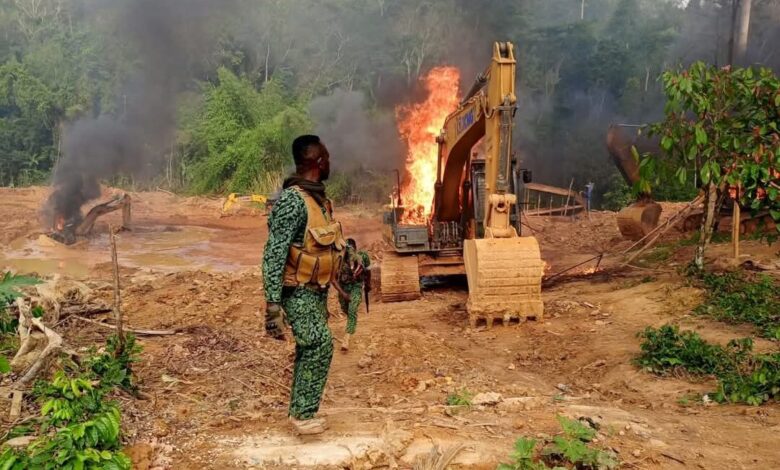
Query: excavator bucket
pixel 505 279
pixel 638 219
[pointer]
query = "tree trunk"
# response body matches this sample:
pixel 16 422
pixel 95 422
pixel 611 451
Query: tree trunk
pixel 733 33
pixel 744 31
pixel 705 234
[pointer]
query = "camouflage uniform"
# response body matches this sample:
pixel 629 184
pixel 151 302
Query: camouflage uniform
pixel 353 285
pixel 305 307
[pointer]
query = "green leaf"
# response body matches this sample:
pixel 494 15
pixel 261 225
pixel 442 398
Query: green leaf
pixel 692 152
pixel 666 144
pixel 9 285
pixel 5 367
pixel 775 214
pixel 701 136
pixel 682 174
pixel 575 429
pixel 705 173
pixel 11 459
pixel 524 449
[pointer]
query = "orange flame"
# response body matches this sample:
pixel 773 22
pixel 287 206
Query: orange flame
pixel 59 223
pixel 419 124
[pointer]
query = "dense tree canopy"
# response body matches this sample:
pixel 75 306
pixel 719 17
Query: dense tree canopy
pixel 582 66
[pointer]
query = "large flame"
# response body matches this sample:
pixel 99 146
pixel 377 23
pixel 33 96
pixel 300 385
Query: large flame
pixel 419 124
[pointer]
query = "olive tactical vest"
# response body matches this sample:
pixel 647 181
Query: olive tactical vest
pixel 314 261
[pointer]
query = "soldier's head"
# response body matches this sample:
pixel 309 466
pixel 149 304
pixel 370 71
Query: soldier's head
pixel 352 243
pixel 312 160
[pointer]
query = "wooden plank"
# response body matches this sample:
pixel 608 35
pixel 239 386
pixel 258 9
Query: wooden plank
pixel 553 211
pixel 557 191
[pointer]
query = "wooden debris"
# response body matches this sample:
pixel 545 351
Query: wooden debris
pixel 27 358
pixel 16 404
pixel 117 299
pixel 136 331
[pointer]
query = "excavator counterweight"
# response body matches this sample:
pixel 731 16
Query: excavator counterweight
pixel 474 226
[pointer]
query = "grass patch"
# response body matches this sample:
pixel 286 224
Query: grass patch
pixel 571 449
pixel 736 298
pixel 743 377
pixel 460 398
pixel 657 255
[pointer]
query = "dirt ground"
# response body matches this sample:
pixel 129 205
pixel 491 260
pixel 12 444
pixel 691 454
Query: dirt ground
pixel 216 392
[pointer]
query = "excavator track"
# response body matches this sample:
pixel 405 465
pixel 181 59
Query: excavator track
pixel 505 280
pixel 400 278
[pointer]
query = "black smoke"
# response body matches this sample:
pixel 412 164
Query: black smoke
pixel 356 136
pixel 167 37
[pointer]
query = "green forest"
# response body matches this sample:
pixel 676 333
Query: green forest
pixel 239 79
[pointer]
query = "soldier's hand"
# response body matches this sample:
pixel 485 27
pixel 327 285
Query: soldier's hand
pixel 273 321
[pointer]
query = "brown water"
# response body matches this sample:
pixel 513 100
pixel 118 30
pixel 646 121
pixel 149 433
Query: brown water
pixel 158 248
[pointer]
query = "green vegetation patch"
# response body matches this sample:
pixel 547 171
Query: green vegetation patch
pixel 743 377
pixel 572 449
pixel 78 426
pixel 736 297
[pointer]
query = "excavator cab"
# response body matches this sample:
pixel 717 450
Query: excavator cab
pixel 474 227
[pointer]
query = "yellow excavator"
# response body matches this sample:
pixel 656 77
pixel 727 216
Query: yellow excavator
pixel 234 199
pixel 640 218
pixel 474 228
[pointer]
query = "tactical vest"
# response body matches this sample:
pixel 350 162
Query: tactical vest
pixel 314 261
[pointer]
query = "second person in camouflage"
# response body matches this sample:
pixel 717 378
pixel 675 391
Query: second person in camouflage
pixel 354 277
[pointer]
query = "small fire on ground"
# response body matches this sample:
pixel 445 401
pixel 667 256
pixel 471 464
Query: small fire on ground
pixel 419 124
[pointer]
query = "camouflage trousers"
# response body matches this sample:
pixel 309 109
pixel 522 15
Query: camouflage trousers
pixel 350 309
pixel 306 312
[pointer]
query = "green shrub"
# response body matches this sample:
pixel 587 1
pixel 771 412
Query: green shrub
pixel 736 298
pixel 743 377
pixel 79 427
pixel 571 449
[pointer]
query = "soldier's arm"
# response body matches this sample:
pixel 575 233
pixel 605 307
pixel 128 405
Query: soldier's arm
pixel 287 219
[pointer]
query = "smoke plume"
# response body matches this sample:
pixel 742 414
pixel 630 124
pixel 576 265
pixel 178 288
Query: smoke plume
pixel 356 138
pixel 166 35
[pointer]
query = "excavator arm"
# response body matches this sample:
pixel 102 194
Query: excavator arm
pixel 641 217
pixel 486 113
pixel 503 269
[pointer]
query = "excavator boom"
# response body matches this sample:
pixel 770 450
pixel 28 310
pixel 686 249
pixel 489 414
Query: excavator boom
pixel 641 217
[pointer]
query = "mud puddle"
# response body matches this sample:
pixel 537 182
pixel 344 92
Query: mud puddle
pixel 166 249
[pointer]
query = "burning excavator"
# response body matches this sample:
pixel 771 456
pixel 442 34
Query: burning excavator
pixel 69 231
pixel 473 224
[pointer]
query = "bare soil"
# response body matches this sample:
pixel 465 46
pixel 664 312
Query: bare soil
pixel 217 391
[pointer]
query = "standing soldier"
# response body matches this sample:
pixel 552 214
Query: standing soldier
pixel 354 277
pixel 301 257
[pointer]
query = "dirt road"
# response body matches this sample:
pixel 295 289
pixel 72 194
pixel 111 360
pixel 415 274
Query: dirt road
pixel 217 390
